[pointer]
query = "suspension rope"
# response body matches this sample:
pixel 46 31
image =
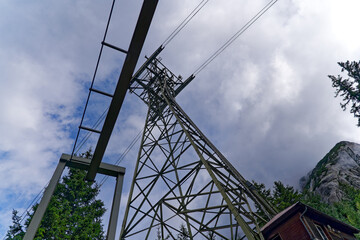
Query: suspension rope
pixel 37 197
pixel 104 179
pixel 176 31
pixel 94 76
pixel 123 155
pixel 167 41
pixel 74 151
pixel 88 135
pixel 185 22
pixel 235 36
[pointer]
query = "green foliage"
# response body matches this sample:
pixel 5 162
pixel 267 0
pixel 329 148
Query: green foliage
pixel 281 196
pixel 16 230
pixel 284 196
pixel 320 166
pixel 347 210
pixel 73 212
pixel 183 234
pixel 159 236
pixel 349 88
pixel 211 236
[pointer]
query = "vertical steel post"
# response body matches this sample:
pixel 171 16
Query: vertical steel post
pixel 115 208
pixel 39 213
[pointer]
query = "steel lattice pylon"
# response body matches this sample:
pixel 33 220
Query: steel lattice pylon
pixel 180 178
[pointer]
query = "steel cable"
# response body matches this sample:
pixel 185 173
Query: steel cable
pixel 38 196
pixel 119 160
pixel 87 136
pixel 185 22
pixel 166 42
pixel 122 156
pixel 94 76
pixel 235 36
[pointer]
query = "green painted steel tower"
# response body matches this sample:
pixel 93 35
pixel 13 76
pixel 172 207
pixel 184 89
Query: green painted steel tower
pixel 183 187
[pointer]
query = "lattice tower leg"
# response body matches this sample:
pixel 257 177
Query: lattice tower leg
pixel 181 179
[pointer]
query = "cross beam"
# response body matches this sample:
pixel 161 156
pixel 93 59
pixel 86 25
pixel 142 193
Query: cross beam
pixel 80 163
pixel 136 44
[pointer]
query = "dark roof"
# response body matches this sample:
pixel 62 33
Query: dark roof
pixel 310 212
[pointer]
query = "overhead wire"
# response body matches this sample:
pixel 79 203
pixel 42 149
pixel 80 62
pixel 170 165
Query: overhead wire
pixel 122 156
pixel 185 22
pixel 78 145
pixel 176 31
pixel 166 42
pixel 88 135
pixel 94 76
pixel 212 57
pixel 35 200
pixel 82 142
pixel 173 34
pixel 235 36
pixel 104 179
pixel 37 197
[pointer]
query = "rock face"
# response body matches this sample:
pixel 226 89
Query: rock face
pixel 340 166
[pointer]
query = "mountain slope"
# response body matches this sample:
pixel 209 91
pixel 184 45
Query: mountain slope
pixel 340 166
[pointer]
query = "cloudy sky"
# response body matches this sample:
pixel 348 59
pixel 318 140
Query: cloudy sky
pixel 266 102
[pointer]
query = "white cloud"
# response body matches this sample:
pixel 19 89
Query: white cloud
pixel 266 101
pixel 275 92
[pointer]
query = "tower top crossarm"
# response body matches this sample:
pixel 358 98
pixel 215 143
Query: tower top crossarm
pixel 180 176
pixel 149 81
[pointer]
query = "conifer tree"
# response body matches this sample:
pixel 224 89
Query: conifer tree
pixel 16 230
pixel 73 211
pixel 281 196
pixel 183 234
pixel 349 88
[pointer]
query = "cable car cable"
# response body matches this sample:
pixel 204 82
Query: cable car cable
pixel 235 36
pixel 185 22
pixel 94 76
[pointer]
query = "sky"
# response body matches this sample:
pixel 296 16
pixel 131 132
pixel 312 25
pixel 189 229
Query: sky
pixel 265 102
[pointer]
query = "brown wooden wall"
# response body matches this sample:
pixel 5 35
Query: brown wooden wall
pixel 291 230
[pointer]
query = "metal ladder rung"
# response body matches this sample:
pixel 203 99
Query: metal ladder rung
pixel 90 129
pixel 114 47
pixel 101 92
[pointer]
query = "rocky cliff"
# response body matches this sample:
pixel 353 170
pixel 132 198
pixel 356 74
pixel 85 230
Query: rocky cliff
pixel 340 166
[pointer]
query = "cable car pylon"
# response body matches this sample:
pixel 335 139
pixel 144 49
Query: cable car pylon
pixel 180 177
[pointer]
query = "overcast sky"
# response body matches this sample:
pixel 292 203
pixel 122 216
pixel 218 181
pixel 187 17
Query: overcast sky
pixel 266 102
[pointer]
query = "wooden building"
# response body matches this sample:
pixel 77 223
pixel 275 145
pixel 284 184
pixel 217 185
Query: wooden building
pixel 301 222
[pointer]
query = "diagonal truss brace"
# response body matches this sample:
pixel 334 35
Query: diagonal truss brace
pixel 180 177
pixel 245 227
